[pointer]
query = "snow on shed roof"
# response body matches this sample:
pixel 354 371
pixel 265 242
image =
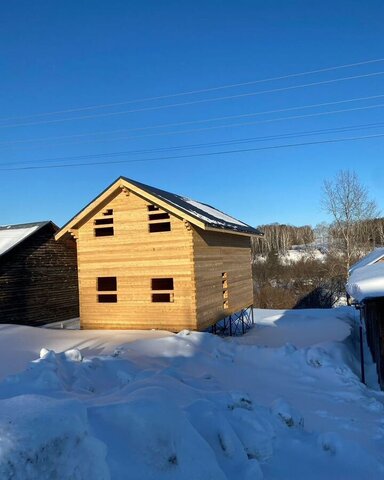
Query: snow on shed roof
pixel 373 257
pixel 201 211
pixel 12 235
pixel 366 282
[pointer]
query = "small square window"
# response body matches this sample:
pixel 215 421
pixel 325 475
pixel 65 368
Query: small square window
pixel 107 298
pixel 106 284
pixel 162 290
pixel 160 227
pixel 162 297
pixel 162 283
pixel 109 286
pixel 152 208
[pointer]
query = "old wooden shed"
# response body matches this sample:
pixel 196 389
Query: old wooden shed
pixel 152 259
pixel 38 276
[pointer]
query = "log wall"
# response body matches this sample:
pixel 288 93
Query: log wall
pixel 135 256
pixel 216 254
pixel 38 280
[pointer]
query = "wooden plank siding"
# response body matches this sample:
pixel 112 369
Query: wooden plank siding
pixel 135 256
pixel 373 314
pixel 215 254
pixel 38 280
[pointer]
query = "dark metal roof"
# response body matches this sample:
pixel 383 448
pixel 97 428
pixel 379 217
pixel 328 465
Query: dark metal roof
pixel 204 213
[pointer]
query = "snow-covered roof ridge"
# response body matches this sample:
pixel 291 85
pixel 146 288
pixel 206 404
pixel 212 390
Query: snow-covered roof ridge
pixel 372 257
pixel 12 235
pixel 366 282
pixel 201 211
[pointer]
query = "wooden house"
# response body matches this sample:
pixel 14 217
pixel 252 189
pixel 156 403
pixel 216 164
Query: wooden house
pixel 153 259
pixel 38 276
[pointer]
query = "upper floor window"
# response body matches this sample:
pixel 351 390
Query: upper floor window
pixel 158 221
pixel 104 224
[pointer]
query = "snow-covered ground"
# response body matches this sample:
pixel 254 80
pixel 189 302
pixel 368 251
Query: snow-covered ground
pixel 298 254
pixel 282 402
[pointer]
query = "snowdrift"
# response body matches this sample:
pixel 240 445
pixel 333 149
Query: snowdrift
pixel 194 406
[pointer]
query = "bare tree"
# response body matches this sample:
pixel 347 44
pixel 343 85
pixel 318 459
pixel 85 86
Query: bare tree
pixel 348 202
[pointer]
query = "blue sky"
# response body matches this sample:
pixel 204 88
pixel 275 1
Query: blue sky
pixel 68 55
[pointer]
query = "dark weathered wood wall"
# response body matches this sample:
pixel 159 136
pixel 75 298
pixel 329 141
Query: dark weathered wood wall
pixel 373 314
pixel 38 280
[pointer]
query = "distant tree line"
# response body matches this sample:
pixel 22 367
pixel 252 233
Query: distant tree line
pixel 280 238
pixel 309 282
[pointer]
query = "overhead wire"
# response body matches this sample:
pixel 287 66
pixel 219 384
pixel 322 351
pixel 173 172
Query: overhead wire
pixel 207 154
pixel 205 144
pixel 198 91
pixel 181 104
pixel 214 119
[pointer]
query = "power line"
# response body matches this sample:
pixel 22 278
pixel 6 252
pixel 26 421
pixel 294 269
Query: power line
pixel 227 152
pixel 206 120
pixel 203 90
pixel 205 145
pixel 193 102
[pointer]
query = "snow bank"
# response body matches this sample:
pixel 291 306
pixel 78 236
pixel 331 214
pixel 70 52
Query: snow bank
pixel 193 406
pixel 296 255
pixel 42 438
pixel 366 282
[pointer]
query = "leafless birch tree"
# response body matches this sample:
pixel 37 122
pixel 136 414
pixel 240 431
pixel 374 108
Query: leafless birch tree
pixel 349 204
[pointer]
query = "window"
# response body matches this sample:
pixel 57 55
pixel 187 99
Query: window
pixel 156 220
pixel 162 290
pixel 107 285
pixel 159 227
pixel 104 225
pixel 224 280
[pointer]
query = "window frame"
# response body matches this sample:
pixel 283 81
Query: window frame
pixel 167 294
pixel 106 296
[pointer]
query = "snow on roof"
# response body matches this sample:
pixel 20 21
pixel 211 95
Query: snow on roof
pixel 12 235
pixel 366 282
pixel 201 211
pixel 376 255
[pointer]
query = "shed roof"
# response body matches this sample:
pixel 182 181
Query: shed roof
pixel 198 213
pixel 366 282
pixel 372 257
pixel 12 235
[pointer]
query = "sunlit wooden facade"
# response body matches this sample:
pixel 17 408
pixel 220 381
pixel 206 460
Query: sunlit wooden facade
pixel 151 259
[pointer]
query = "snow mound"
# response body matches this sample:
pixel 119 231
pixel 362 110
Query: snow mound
pixel 42 438
pixel 283 401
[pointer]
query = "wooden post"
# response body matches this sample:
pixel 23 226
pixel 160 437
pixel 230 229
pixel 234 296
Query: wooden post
pixel 362 352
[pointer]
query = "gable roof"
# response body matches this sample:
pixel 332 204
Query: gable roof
pixel 197 213
pixel 12 235
pixel 372 257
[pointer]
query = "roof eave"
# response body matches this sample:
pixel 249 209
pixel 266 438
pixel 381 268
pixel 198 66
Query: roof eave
pixel 122 182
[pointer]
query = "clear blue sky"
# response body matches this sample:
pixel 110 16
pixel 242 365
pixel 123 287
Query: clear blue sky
pixel 72 54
